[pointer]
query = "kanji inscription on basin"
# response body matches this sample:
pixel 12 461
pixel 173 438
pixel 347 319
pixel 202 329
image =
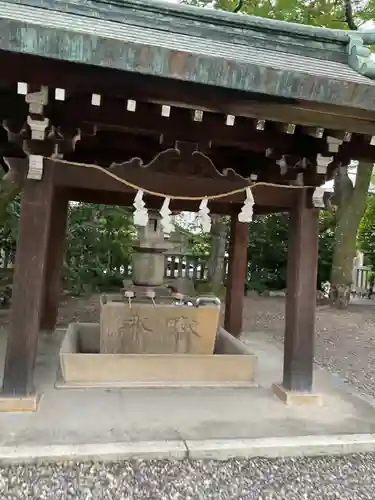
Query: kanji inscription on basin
pixel 162 329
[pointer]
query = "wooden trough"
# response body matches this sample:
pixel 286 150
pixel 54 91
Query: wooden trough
pixel 82 364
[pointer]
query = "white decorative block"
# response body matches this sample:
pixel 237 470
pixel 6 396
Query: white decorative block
pixel 165 111
pixel 60 94
pixel 22 88
pixel 131 105
pixel 290 128
pixel 96 99
pixel 198 115
pixel 35 171
pixel 230 120
pixel 38 128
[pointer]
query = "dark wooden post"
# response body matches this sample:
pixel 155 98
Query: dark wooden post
pixel 27 298
pixel 237 266
pixel 301 297
pixel 55 253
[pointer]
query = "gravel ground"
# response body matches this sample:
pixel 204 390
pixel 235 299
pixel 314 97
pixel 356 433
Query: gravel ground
pixel 341 478
pixel 345 340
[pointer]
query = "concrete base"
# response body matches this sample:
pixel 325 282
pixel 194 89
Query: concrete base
pixel 83 366
pixel 291 398
pixel 220 422
pixel 19 404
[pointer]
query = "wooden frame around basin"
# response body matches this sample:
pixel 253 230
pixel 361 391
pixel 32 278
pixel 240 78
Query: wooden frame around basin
pixel 232 364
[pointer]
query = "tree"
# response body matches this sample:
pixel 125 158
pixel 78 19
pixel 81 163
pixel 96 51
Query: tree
pixel 366 232
pixel 212 245
pixel 350 203
pixel 339 14
pixel 98 246
pixel 268 251
pixel 216 261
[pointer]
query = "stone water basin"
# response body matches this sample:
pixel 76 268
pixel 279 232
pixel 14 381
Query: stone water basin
pixel 83 365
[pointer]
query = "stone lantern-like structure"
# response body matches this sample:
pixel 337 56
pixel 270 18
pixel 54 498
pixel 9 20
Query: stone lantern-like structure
pixel 148 260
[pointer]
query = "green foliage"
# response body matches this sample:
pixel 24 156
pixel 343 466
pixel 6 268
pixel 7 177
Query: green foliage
pixel 268 251
pixel 199 244
pixel 328 13
pixel 8 231
pixel 98 247
pixel 206 289
pixel 366 232
pixel 326 246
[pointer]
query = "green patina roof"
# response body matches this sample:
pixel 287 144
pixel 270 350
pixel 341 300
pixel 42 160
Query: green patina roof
pixel 198 45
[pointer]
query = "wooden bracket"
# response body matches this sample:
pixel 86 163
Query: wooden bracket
pixel 322 163
pixel 318 198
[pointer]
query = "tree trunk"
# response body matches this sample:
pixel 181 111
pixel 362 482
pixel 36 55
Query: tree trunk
pixel 351 204
pixel 219 232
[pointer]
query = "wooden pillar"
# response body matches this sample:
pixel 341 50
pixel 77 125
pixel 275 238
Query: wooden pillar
pixel 55 253
pixel 301 297
pixel 27 297
pixel 237 267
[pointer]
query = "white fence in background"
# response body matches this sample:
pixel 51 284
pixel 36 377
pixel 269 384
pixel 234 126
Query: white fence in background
pixel 361 278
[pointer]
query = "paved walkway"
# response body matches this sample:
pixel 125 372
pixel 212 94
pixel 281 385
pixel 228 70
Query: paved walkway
pixel 199 422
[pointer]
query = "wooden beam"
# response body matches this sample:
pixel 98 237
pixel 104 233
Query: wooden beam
pixel 82 183
pixel 55 252
pixel 211 133
pixel 29 274
pixel 77 111
pixel 84 78
pixel 71 176
pixel 179 125
pixel 301 297
pixel 235 289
